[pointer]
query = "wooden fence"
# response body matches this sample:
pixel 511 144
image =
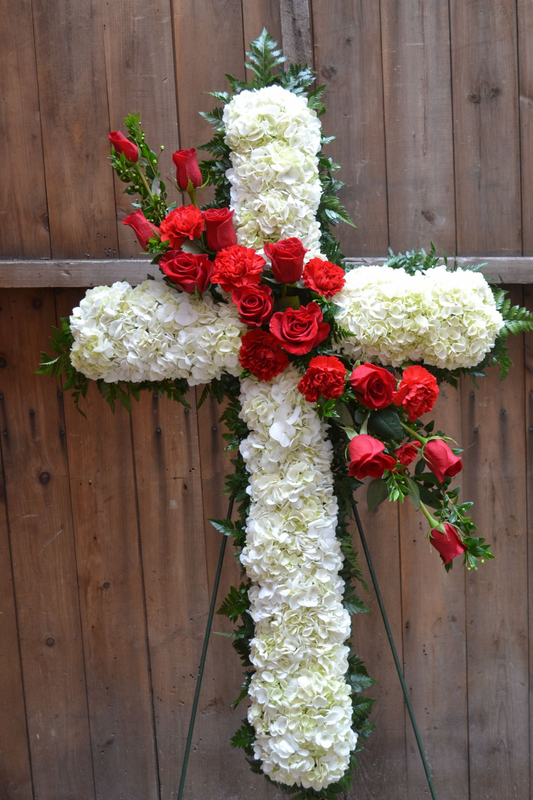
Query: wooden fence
pixel 106 558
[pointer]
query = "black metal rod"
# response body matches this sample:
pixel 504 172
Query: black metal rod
pixel 201 668
pixel 394 652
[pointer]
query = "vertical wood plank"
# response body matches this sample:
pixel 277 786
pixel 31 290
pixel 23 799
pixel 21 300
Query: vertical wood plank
pixel 75 123
pixel 22 188
pixel 525 72
pixel 485 110
pixel 44 558
pixel 528 394
pixel 382 764
pixel 434 618
pixel 259 14
pixel 418 124
pixel 348 56
pixel 497 622
pixel 111 595
pixel 296 31
pixel 140 78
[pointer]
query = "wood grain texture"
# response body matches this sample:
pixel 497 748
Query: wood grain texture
pixel 43 553
pixel 525 89
pixel 497 619
pixel 348 57
pixel 528 428
pixel 75 125
pixel 485 110
pixel 418 120
pixel 23 208
pixel 382 764
pixel 259 14
pixel 296 31
pixel 112 596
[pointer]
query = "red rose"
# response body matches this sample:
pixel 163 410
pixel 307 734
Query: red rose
pixel 287 258
pixel 373 385
pixel 219 228
pixel 144 229
pixel 323 277
pixel 237 266
pixel 448 544
pixel 261 354
pixel 187 169
pixel 324 376
pixel 254 303
pixel 367 457
pixel 123 145
pixel 298 330
pixel 417 392
pixel 407 453
pixel 440 459
pixel 185 222
pixel 188 270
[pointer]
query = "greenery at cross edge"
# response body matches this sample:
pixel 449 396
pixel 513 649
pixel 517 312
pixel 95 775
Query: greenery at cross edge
pixel 344 416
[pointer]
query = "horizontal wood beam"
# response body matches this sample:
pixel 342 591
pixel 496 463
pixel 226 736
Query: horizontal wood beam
pixel 92 272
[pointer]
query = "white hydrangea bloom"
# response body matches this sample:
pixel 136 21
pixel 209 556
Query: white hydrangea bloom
pixel 301 706
pixel 153 332
pixel 446 319
pixel 275 191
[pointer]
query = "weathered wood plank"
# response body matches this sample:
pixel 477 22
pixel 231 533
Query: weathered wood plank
pixel 348 56
pixel 23 208
pixel 525 74
pixel 112 596
pixel 75 125
pixel 43 553
pixel 497 619
pixel 434 620
pixel 486 133
pixel 296 31
pixel 418 124
pixel 259 14
pixel 382 764
pixel 528 426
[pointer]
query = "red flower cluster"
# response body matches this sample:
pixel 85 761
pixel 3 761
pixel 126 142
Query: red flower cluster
pixel 187 270
pixel 441 460
pixel 219 228
pixel 449 544
pixel 324 376
pixel 254 303
pixel 261 354
pixel 417 392
pixel 185 222
pixel 237 266
pixel 323 277
pixel 123 145
pixel 298 330
pixel 373 386
pixel 144 229
pixel 287 259
pixel 367 457
pixel 187 169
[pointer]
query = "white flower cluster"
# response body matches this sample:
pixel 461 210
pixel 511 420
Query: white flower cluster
pixel 446 319
pixel 152 332
pixel 275 190
pixel 301 706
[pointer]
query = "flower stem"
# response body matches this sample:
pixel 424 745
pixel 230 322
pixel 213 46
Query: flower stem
pixel 434 523
pixel 413 433
pixel 142 176
pixel 364 426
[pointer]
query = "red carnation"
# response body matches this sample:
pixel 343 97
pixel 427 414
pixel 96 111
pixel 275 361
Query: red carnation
pixel 448 544
pixel 367 457
pixel 373 386
pixel 219 228
pixel 185 222
pixel 261 354
pixel 417 392
pixel 287 258
pixel 407 453
pixel 323 277
pixel 237 266
pixel 144 229
pixel 189 271
pixel 123 145
pixel 324 376
pixel 298 330
pixel 441 460
pixel 254 303
pixel 187 169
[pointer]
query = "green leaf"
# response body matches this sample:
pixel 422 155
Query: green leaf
pixel 376 493
pixel 225 526
pixel 414 491
pixel 385 423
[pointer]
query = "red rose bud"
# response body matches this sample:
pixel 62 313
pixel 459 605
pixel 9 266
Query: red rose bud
pixel 441 460
pixel 407 453
pixel 144 229
pixel 373 386
pixel 261 354
pixel 448 544
pixel 367 457
pixel 219 228
pixel 237 266
pixel 185 222
pixel 254 303
pixel 298 330
pixel 287 259
pixel 189 271
pixel 187 169
pixel 323 277
pixel 123 145
pixel 417 392
pixel 324 376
